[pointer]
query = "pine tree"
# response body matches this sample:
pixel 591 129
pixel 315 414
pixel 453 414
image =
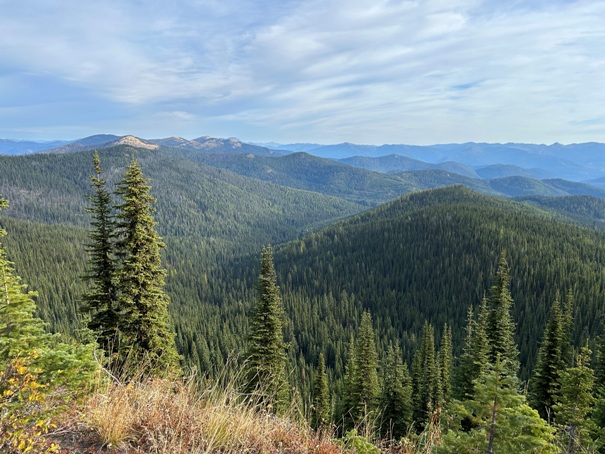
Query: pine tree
pixel 266 346
pixel 500 325
pixel 426 379
pixel 575 401
pixel 446 360
pixel 544 384
pixel 348 398
pixel 321 396
pixel 366 388
pixel 396 396
pixel 503 422
pixel 100 303
pixel 474 354
pixel 20 331
pixel 144 319
pixel 22 335
pixel 568 325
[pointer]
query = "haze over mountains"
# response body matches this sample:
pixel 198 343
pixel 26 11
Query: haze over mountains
pixel 583 162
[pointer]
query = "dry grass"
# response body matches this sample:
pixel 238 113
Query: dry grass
pixel 173 417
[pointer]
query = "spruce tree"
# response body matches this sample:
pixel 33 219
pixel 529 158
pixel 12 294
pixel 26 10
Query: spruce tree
pixel 20 331
pixel 544 384
pixel 502 420
pixel 500 325
pixel 365 388
pixel 474 354
pixel 575 401
pixel 321 396
pixel 426 381
pixel 348 398
pixel 266 346
pixel 144 318
pixel 446 359
pixel 100 302
pixel 22 335
pixel 396 396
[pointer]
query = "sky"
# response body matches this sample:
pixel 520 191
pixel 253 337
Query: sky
pixel 322 71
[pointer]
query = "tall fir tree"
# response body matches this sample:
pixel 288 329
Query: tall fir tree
pixel 100 302
pixel 426 380
pixel 22 336
pixel 365 385
pixel 544 384
pixel 20 331
pixel 144 319
pixel 568 326
pixel 266 347
pixel 348 398
pixel 321 396
pixel 446 360
pixel 575 402
pixel 474 354
pixel 500 325
pixel 396 396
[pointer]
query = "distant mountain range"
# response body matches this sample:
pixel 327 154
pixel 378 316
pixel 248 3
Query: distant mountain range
pixel 577 162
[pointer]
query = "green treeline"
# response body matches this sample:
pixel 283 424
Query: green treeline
pixel 408 313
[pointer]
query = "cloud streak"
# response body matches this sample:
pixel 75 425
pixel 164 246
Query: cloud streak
pixel 362 71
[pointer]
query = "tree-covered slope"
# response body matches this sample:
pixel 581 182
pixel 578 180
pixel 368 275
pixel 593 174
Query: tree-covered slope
pixel 193 199
pixel 430 255
pixel 311 173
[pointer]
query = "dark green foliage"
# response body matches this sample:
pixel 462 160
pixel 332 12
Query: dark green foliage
pixel 502 420
pixel 446 361
pixel 396 396
pixel 500 325
pixel 473 359
pixel 321 396
pixel 266 347
pixel 575 401
pixel 426 379
pixel 100 302
pixel 143 319
pixel 544 384
pixel 20 331
pixel 22 335
pixel 365 386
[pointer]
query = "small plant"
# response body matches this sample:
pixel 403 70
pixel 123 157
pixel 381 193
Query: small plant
pixel 24 409
pixel 358 444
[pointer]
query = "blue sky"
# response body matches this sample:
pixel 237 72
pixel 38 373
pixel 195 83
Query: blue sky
pixel 327 71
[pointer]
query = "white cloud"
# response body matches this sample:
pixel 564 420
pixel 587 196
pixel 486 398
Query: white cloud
pixel 365 71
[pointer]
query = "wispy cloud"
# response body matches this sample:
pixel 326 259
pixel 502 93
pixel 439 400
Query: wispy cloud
pixel 321 70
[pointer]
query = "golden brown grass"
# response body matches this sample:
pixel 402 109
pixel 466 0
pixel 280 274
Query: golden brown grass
pixel 177 416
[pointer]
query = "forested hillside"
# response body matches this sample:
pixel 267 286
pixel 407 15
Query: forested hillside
pixel 426 257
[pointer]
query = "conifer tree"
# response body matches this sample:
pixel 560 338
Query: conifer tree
pixel 144 318
pixel 266 346
pixel 544 384
pixel 575 401
pixel 500 325
pixel 20 331
pixel 396 396
pixel 22 335
pixel 365 388
pixel 321 396
pixel 100 303
pixel 426 381
pixel 348 398
pixel 568 325
pixel 503 422
pixel 446 360
pixel 474 354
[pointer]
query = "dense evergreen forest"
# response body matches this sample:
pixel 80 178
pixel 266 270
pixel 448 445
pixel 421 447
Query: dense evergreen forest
pixel 400 279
